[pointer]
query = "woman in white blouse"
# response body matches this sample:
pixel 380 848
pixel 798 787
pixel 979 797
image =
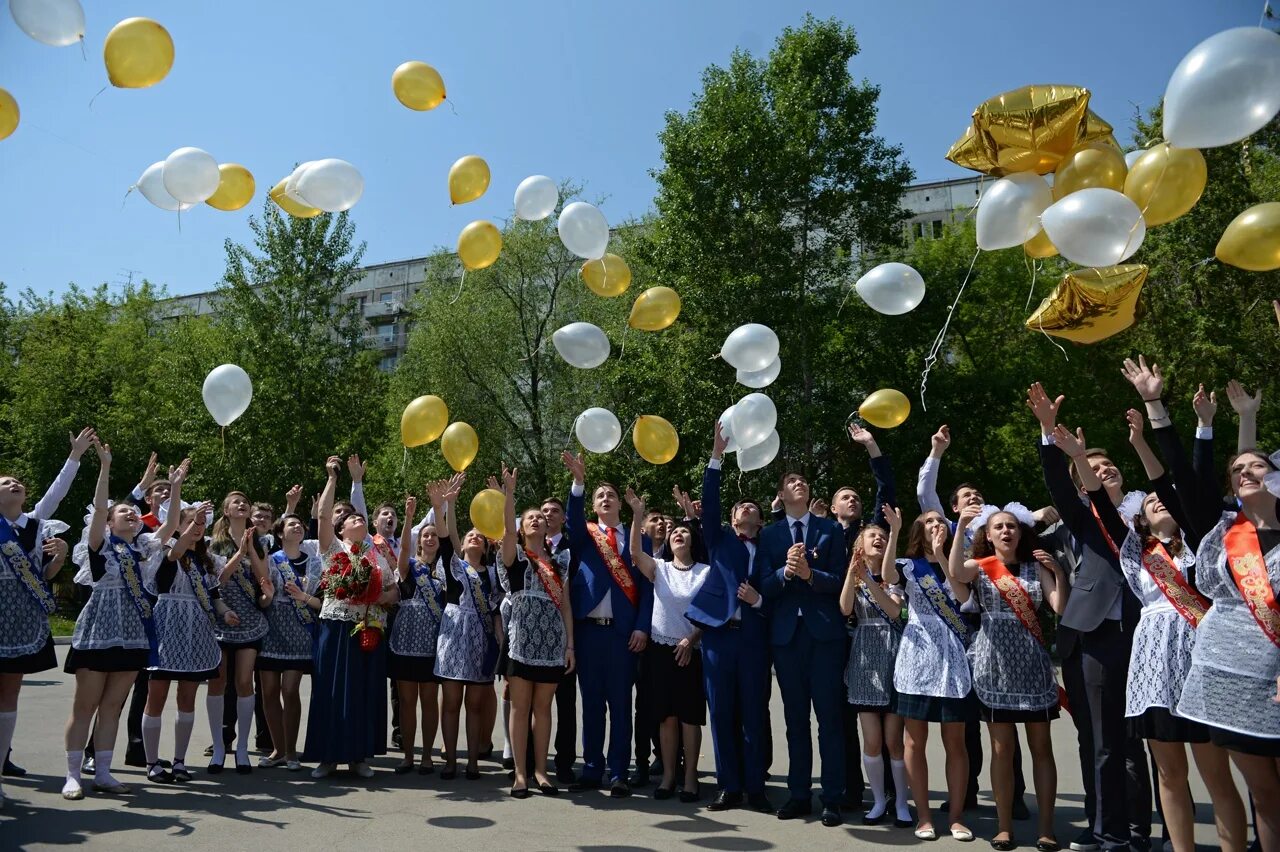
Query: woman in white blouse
pixel 672 666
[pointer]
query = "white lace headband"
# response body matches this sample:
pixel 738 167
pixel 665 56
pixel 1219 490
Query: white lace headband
pixel 1019 511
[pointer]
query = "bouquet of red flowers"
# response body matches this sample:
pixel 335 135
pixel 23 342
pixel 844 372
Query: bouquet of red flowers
pixel 354 581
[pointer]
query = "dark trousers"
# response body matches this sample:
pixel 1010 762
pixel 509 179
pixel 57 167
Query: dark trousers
pixel 735 677
pixel 973 745
pixel 645 729
pixel 810 675
pixel 607 674
pixel 1117 784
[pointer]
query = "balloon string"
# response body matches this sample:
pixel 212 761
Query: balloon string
pixel 844 301
pixel 449 101
pixel 1031 268
pixel 126 195
pixel 224 440
pixel 458 295
pixel 1040 322
pixel 85 56
pixel 536 352
pixel 1266 12
pixel 95 97
pixel 932 357
pixel 622 350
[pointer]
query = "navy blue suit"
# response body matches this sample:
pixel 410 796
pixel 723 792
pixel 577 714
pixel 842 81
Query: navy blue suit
pixel 735 659
pixel 606 668
pixel 807 631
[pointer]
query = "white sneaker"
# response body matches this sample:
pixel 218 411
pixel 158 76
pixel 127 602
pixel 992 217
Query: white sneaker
pixel 362 769
pixel 322 771
pixel 72 791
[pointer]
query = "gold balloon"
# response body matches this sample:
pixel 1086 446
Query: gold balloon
pixel 8 114
pixel 489 513
pixel 468 179
pixel 655 309
pixel 235 187
pixel 1093 164
pixel 423 421
pixel 418 86
pixel 288 205
pixel 885 409
pixel 609 276
pixel 1252 240
pixel 1028 130
pixel 1166 182
pixel 655 439
pixel 1039 246
pixel 138 53
pixel 1089 305
pixel 479 245
pixel 459 445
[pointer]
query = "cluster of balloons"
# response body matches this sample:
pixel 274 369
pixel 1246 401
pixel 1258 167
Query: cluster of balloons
pixel 190 176
pixel 319 186
pixel 227 393
pixel 752 350
pixel 750 427
pixel 426 418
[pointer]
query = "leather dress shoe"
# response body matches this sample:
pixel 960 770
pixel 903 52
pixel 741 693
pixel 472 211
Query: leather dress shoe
pixel 619 789
pixel 794 809
pixel 760 802
pixel 724 801
pixel 831 817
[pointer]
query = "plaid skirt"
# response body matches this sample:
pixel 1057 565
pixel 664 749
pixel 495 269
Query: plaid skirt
pixel 931 708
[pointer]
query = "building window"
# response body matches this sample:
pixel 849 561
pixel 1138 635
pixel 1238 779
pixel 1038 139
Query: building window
pixel 388 363
pixel 926 198
pixel 386 297
pixel 360 300
pixel 937 228
pixel 917 230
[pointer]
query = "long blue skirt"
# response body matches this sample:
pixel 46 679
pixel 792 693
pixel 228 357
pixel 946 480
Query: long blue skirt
pixel 347 722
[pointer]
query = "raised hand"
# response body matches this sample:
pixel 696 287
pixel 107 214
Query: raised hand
pixel 81 443
pixel 355 467
pixel 1134 418
pixel 939 539
pixel 818 507
pixel 893 517
pixel 1072 445
pixel 149 474
pixel 410 506
pixel 721 441
pixel 453 487
pixel 1046 559
pixel 635 501
pixel 1147 381
pixel 860 435
pixel 291 498
pixel 941 441
pixel 492 484
pixel 103 451
pixel 178 475
pixel 509 480
pixel 575 465
pixel 1240 399
pixel 332 466
pixel 1045 410
pixel 682 500
pixel 967 516
pixel 1205 405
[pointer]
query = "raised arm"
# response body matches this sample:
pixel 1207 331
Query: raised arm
pixel 139 493
pixel 1074 446
pixel 575 514
pixel 356 468
pixel 849 591
pixel 881 469
pixel 98 524
pixel 177 476
pixel 962 571
pixel 509 503
pixel 406 537
pixel 451 519
pixel 1063 493
pixel 324 529
pixel 48 504
pixel 258 565
pixel 927 480
pixel 644 562
pixel 711 523
pixel 55 554
pixel 1246 407
pixel 1053 580
pixel 291 498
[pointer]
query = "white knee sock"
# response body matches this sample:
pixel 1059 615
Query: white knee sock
pixel 102 768
pixel 213 708
pixel 73 770
pixel 506 729
pixel 244 721
pixel 182 735
pixel 8 721
pixel 902 791
pixel 151 737
pixel 874 766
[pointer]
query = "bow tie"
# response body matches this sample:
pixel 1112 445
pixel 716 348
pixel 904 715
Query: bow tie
pixel 745 537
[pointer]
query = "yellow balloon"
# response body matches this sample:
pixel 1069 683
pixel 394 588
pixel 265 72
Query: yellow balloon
pixel 655 439
pixel 288 205
pixel 8 114
pixel 1252 240
pixel 235 187
pixel 1166 182
pixel 1093 164
pixel 1039 246
pixel 655 309
pixel 489 513
pixel 1089 305
pixel 459 444
pixel 418 86
pixel 423 421
pixel 479 245
pixel 138 53
pixel 609 276
pixel 468 179
pixel 885 408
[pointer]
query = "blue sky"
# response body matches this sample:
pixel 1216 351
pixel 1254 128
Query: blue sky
pixel 568 88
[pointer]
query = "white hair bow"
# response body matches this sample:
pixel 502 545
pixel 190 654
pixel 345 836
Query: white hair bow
pixel 1019 511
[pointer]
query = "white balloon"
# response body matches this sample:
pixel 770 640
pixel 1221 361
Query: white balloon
pixel 754 417
pixel 1226 88
pixel 761 378
pixel 1133 157
pixel 726 429
pixel 151 185
pixel 536 198
pixel 598 430
pixel 291 183
pixel 53 22
pixel 754 458
pixel 750 347
pixel 227 393
pixel 1009 212
pixel 330 185
pixel 582 344
pixel 891 288
pixel 1095 226
pixel 191 175
pixel 584 230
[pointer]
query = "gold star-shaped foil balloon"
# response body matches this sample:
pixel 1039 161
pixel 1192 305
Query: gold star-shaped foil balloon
pixel 1028 130
pixel 1089 305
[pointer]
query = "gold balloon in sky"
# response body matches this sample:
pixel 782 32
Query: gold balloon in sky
pixel 1089 305
pixel 138 53
pixel 459 445
pixel 8 114
pixel 1166 182
pixel 489 513
pixel 655 309
pixel 1252 240
pixel 1028 130
pixel 423 420
pixel 418 86
pixel 885 409
pixel 1093 164
pixel 479 245
pixel 655 439
pixel 468 179
pixel 235 187
pixel 288 205
pixel 1039 246
pixel 609 276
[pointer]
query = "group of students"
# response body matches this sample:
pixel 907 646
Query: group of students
pixel 1167 628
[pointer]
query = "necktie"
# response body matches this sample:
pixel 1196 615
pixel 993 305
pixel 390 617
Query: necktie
pixel 612 535
pixel 798 527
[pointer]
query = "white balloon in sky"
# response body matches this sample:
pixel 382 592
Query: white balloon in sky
pixel 151 185
pixel 57 23
pixel 191 175
pixel 536 198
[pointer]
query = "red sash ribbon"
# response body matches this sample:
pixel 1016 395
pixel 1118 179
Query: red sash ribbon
pixel 1019 602
pixel 1249 571
pixel 1115 551
pixel 1189 603
pixel 607 546
pixel 549 576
